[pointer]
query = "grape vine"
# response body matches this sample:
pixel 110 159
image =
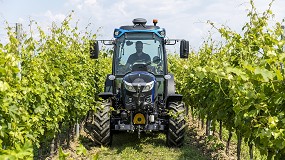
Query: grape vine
pixel 240 82
pixel 58 84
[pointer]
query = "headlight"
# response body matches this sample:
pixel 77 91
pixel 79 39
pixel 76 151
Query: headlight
pixel 148 86
pixel 129 87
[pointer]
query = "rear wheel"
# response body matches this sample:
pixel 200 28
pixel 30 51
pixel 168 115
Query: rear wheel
pixel 177 124
pixel 98 124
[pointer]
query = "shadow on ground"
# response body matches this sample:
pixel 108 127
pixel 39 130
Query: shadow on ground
pixel 122 140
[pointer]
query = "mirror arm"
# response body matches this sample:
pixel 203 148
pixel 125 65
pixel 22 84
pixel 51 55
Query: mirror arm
pixel 107 42
pixel 174 41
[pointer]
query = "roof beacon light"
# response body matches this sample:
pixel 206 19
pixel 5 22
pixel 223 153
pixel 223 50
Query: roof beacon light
pixel 139 21
pixel 154 21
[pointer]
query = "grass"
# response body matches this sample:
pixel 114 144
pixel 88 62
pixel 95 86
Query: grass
pixel 150 146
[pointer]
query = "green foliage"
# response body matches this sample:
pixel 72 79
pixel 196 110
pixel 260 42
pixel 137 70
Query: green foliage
pixel 58 84
pixel 241 82
pixel 95 157
pixel 81 150
pixel 24 152
pixel 62 155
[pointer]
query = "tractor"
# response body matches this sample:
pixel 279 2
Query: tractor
pixel 139 95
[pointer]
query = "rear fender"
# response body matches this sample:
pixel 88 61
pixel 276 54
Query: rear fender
pixel 105 95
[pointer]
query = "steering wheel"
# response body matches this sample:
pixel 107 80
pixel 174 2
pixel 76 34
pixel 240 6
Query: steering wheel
pixel 140 66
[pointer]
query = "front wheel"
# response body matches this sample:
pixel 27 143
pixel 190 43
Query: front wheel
pixel 176 124
pixel 98 125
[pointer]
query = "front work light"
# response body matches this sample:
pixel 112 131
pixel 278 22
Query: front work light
pixel 148 86
pixel 129 86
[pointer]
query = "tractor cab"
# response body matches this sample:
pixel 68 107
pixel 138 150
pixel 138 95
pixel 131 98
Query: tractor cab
pixel 149 57
pixel 153 40
pixel 139 52
pixel 139 48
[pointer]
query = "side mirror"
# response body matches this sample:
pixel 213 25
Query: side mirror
pixel 184 49
pixel 94 49
pixel 156 59
pixel 128 43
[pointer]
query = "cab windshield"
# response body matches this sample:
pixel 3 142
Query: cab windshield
pixel 133 49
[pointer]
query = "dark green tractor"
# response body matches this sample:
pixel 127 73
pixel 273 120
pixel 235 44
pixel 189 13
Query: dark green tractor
pixel 139 94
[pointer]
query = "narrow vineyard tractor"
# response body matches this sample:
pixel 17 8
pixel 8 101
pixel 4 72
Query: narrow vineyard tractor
pixel 139 94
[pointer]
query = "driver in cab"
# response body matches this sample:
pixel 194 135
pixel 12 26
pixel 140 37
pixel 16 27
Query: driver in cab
pixel 139 56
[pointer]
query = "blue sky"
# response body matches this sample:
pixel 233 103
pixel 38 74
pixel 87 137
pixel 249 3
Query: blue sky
pixel 183 19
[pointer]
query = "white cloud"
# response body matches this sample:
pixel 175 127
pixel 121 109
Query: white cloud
pixel 54 17
pixel 122 8
pixel 90 2
pixel 79 6
pixel 73 2
pixel 21 20
pixel 181 18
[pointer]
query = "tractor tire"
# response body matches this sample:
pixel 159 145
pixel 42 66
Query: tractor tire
pixel 98 125
pixel 176 124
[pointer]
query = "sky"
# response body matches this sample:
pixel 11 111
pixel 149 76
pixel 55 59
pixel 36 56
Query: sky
pixel 182 19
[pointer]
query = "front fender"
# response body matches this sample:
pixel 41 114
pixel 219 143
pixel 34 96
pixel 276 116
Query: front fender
pixel 173 98
pixel 176 98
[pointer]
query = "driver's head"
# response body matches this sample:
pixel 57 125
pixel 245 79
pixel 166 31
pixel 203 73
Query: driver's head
pixel 139 46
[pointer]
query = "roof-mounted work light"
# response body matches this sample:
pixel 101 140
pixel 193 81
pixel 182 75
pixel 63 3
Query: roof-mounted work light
pixel 154 21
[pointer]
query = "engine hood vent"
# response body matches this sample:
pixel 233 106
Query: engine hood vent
pixel 139 78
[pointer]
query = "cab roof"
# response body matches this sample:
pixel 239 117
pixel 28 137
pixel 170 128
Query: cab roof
pixel 140 26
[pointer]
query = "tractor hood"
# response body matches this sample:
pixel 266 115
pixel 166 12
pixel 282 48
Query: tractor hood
pixel 139 81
